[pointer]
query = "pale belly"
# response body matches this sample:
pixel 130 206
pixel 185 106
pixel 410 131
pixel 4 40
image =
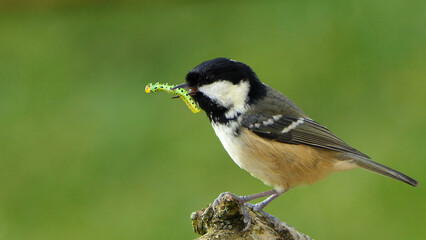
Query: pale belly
pixel 280 165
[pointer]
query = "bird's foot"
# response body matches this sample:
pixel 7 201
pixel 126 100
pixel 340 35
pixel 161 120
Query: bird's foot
pixel 241 200
pixel 244 199
pixel 258 207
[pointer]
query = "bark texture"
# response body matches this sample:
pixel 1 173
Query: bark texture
pixel 226 222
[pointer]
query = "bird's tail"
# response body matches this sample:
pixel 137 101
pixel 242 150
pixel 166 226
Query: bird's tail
pixel 383 170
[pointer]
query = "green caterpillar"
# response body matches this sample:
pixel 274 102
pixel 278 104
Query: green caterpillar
pixel 182 93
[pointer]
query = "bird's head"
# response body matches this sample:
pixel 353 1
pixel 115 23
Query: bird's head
pixel 223 88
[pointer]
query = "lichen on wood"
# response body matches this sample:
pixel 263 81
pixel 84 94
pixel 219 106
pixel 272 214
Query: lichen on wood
pixel 226 222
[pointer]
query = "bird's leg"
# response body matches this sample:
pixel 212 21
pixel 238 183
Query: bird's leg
pixel 258 207
pixel 244 199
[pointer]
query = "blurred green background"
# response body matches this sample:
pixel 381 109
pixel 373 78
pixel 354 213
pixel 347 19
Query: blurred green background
pixel 86 154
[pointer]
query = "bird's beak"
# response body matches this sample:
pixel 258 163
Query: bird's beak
pixel 183 85
pixel 191 91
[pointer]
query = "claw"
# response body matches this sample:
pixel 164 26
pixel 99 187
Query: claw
pixel 217 200
pixel 247 218
pixel 259 208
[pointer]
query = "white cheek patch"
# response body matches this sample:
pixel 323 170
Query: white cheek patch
pixel 228 95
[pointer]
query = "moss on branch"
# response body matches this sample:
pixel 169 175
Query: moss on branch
pixel 226 222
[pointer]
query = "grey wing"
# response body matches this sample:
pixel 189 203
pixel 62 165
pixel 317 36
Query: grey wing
pixel 293 130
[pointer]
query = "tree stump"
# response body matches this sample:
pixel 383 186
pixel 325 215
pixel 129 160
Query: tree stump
pixel 226 222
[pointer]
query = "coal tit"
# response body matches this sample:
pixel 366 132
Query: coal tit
pixel 267 135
